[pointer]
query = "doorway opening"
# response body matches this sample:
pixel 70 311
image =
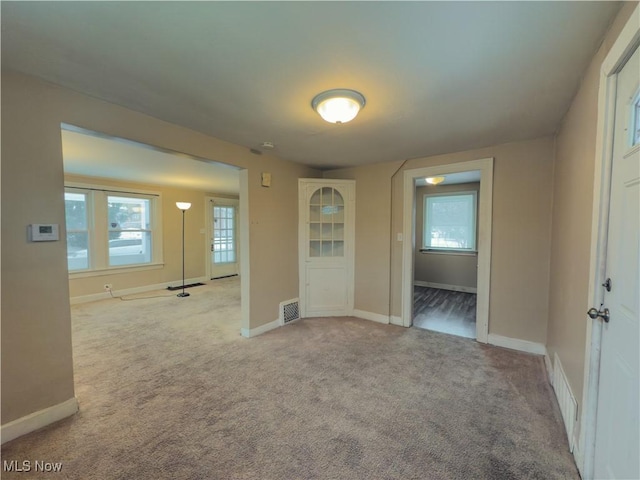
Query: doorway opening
pixel 124 230
pixel 223 256
pixel 446 257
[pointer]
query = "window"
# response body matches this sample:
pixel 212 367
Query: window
pixel 450 221
pixel 107 229
pixel 75 202
pixel 129 228
pixel 224 250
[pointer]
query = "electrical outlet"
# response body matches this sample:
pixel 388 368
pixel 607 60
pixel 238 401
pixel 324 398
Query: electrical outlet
pixel 108 287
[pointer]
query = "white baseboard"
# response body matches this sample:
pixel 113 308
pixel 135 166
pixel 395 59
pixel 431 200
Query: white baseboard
pixel 444 286
pixel 566 400
pixel 574 440
pixel 374 317
pixel 254 332
pixel 516 344
pixel 37 420
pixel 549 366
pixel 394 320
pixel 579 456
pixel 132 291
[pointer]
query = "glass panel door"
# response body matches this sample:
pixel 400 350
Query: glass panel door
pixel 224 244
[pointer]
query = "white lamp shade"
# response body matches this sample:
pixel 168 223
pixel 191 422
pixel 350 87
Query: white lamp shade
pixel 338 110
pixel 183 205
pixel 338 106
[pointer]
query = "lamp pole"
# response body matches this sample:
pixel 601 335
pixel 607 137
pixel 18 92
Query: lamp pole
pixel 184 206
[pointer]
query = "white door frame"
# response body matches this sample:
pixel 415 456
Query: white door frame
pixel 485 166
pixel 627 41
pixel 235 202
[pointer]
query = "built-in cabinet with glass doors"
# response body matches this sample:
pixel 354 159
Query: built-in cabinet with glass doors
pixel 326 237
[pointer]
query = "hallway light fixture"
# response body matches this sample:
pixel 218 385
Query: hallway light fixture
pixel 434 180
pixel 339 105
pixel 184 206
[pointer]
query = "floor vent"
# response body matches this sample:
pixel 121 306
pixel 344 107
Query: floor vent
pixel 289 311
pixel 566 400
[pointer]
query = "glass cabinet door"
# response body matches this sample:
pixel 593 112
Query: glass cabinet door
pixel 326 253
pixel 326 223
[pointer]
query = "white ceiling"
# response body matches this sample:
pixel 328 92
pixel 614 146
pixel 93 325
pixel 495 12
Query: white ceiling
pixel 97 156
pixel 438 77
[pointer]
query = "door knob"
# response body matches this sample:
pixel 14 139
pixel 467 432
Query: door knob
pixel 595 313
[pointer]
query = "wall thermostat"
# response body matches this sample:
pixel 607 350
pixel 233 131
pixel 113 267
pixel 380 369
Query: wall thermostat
pixel 44 232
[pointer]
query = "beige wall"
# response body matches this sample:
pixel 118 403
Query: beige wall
pixel 373 216
pixel 171 272
pixel 572 210
pixel 460 270
pixel 37 370
pixel 521 234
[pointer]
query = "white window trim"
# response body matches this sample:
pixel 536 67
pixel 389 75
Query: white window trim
pixel 89 220
pixel 98 231
pixel 444 250
pixel 115 270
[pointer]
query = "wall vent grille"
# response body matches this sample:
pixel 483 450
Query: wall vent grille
pixel 566 400
pixel 289 311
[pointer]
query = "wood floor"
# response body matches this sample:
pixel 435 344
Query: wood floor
pixel 445 311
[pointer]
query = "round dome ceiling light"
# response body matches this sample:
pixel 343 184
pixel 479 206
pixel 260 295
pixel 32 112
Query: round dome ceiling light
pixel 434 180
pixel 338 105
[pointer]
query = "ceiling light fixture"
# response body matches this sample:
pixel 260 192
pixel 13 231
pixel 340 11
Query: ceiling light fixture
pixel 339 105
pixel 434 180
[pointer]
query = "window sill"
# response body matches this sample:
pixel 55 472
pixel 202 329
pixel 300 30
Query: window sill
pixel 463 253
pixel 115 270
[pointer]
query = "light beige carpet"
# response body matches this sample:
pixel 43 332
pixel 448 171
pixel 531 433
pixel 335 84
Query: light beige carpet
pixel 169 390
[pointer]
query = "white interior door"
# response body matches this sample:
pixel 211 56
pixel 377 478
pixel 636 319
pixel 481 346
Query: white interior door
pixel 326 237
pixel 617 425
pixel 223 237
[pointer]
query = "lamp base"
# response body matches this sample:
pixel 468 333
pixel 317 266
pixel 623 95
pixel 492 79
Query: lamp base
pixel 183 294
pixel 182 287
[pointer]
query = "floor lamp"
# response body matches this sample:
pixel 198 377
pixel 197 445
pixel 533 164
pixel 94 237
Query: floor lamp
pixel 184 206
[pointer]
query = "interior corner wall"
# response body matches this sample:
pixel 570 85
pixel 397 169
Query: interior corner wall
pixel 574 170
pixel 458 270
pixel 373 242
pixel 37 369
